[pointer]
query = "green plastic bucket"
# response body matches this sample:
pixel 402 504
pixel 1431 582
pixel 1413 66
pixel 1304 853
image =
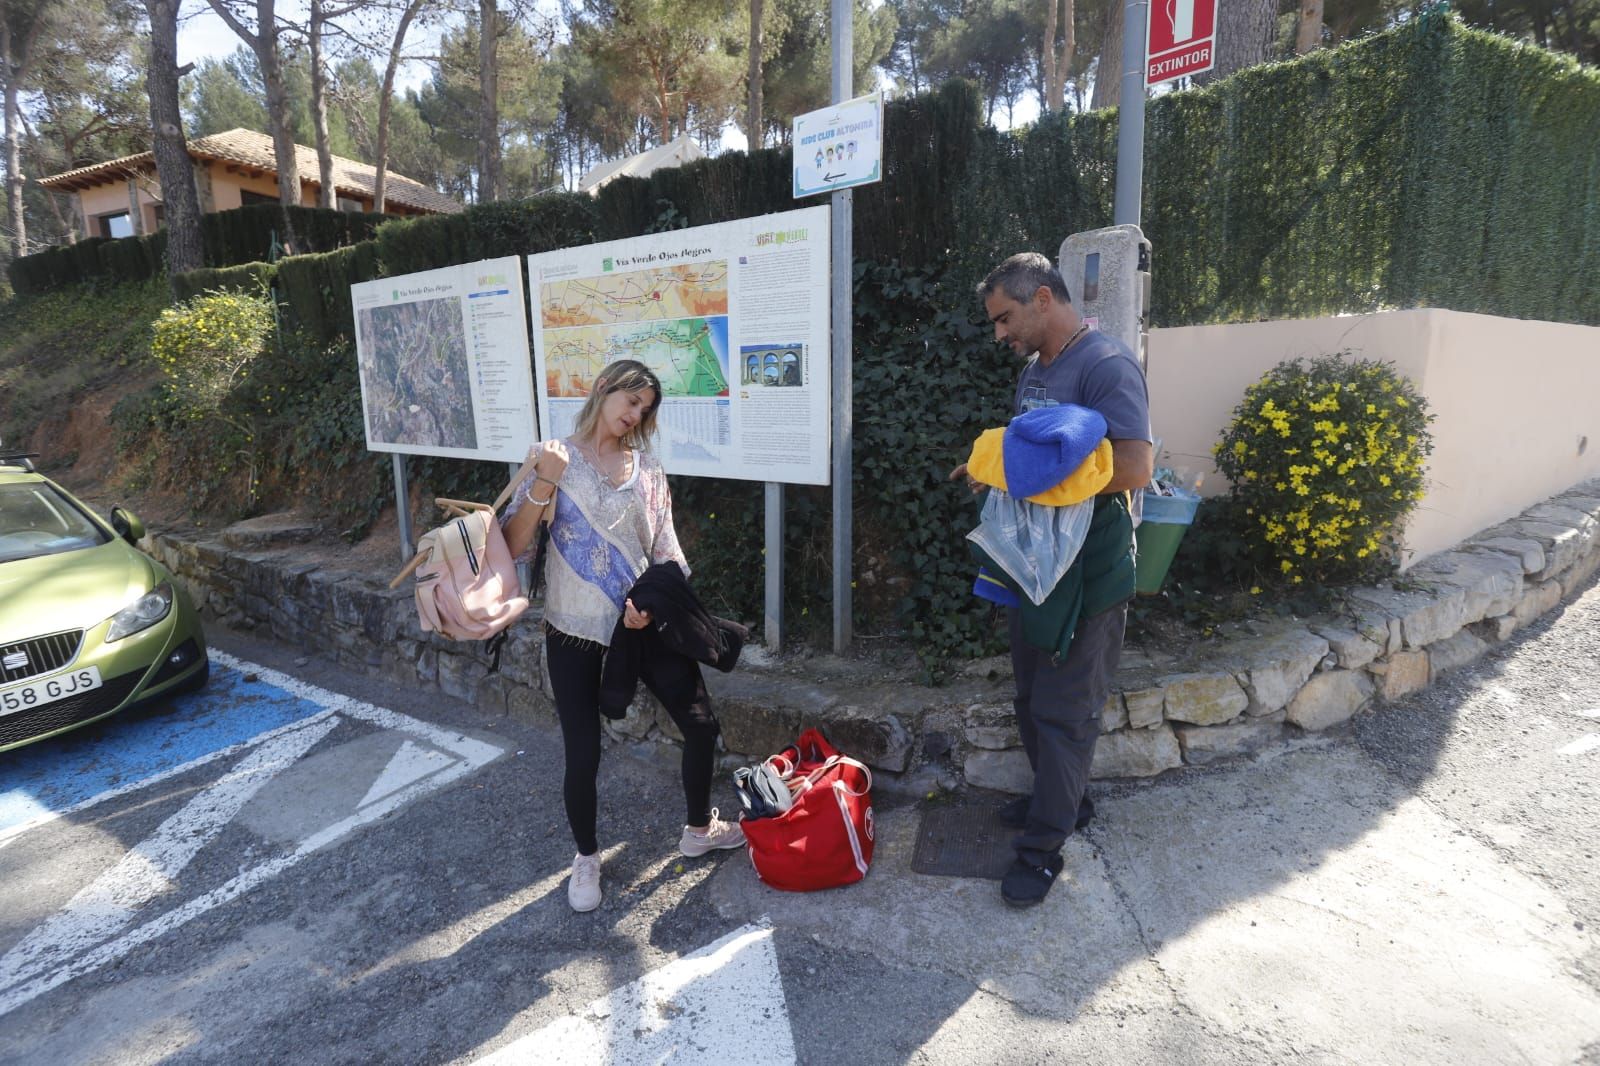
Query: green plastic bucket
pixel 1166 518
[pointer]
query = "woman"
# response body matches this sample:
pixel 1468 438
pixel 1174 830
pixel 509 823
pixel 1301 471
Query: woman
pixel 610 514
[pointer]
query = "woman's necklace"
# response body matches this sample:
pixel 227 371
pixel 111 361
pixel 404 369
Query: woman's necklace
pixel 615 472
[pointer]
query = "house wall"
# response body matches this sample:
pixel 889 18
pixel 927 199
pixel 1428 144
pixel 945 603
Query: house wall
pixel 1515 417
pixel 227 185
pixel 113 197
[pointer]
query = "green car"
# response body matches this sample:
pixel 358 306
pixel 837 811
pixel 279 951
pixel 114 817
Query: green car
pixel 89 625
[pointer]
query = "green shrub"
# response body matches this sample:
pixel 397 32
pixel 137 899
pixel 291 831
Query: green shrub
pixel 316 288
pixel 1326 458
pixel 206 347
pixel 246 277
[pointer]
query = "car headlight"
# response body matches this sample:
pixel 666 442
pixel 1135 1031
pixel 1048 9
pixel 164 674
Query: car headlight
pixel 142 613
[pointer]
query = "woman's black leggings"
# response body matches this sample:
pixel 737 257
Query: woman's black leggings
pixel 575 666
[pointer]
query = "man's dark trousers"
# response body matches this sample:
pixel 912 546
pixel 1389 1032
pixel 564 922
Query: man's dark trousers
pixel 1058 714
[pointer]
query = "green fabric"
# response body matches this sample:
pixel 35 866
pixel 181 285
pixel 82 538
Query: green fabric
pixel 1101 578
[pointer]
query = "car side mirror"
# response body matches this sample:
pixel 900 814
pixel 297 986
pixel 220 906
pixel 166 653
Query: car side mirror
pixel 127 525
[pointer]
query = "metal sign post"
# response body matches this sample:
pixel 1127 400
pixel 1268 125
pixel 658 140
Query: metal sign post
pixel 843 260
pixel 1130 116
pixel 402 508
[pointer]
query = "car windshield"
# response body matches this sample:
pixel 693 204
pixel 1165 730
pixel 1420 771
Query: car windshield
pixel 36 519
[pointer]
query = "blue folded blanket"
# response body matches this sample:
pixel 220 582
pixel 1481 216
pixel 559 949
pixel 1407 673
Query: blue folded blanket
pixel 1043 447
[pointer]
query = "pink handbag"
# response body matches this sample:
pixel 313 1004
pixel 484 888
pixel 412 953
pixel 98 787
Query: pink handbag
pixel 467 585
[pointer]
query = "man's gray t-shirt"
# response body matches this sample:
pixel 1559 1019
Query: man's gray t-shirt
pixel 1099 372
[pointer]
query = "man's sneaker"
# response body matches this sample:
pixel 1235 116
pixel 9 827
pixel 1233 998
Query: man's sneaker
pixel 1014 815
pixel 583 885
pixel 716 835
pixel 1026 883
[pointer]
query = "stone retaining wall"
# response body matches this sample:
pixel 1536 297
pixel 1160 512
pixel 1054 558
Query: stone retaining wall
pixel 1257 686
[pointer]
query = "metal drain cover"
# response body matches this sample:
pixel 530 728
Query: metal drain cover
pixel 965 841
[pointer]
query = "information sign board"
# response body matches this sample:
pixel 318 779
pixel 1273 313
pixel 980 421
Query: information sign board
pixel 733 318
pixel 443 358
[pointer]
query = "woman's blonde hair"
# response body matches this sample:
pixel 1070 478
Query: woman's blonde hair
pixel 625 375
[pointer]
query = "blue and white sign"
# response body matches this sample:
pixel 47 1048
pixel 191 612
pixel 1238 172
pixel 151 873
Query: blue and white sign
pixel 839 146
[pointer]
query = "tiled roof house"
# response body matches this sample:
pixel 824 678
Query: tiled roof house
pixel 122 197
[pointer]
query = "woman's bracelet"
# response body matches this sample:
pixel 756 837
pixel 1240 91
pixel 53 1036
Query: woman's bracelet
pixel 547 481
pixel 543 502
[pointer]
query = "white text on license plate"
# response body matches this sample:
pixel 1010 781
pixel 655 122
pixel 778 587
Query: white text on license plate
pixel 49 690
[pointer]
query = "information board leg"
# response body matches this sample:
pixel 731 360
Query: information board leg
pixel 772 617
pixel 843 426
pixel 402 508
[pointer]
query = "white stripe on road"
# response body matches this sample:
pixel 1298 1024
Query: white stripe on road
pixel 16 831
pixel 722 1004
pixel 471 753
pixel 108 903
pixel 1583 745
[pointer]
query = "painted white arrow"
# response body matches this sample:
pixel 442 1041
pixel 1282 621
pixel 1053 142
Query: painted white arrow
pixel 110 902
pixel 411 763
pixel 723 1003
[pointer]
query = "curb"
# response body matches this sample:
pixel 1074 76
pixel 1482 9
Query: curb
pixel 1262 687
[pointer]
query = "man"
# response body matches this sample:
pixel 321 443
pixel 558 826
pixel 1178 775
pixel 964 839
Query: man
pixel 1059 697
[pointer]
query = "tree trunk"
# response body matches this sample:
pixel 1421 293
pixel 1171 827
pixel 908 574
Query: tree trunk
pixel 488 102
pixel 264 43
pixel 1059 19
pixel 16 56
pixel 752 124
pixel 1309 35
pixel 385 103
pixel 1108 71
pixel 1244 37
pixel 179 201
pixel 326 196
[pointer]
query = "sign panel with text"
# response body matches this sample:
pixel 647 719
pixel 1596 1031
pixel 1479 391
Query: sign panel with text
pixel 1181 39
pixel 443 359
pixel 839 146
pixel 733 318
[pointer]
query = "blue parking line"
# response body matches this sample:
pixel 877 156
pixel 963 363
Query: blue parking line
pixel 122 750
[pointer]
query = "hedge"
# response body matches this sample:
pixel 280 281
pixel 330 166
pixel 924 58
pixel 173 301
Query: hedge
pixel 316 288
pixel 241 235
pixel 246 277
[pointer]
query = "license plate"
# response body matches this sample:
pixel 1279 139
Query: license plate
pixel 39 693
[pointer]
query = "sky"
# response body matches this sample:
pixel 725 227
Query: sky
pixel 203 35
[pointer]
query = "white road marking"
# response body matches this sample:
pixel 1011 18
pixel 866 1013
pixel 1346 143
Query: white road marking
pixel 408 765
pixel 16 831
pixel 1582 746
pixel 108 903
pixel 721 1004
pixel 26 983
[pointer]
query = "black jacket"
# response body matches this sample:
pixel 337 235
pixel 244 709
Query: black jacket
pixel 679 625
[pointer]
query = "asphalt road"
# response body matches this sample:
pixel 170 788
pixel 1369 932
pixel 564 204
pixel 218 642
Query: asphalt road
pixel 301 865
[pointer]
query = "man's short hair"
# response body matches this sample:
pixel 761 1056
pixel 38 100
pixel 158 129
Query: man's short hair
pixel 1020 277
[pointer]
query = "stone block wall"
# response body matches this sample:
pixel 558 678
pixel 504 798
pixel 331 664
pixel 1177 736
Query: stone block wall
pixel 1257 687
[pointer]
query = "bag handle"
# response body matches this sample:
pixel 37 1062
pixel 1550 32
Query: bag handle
pixel 516 479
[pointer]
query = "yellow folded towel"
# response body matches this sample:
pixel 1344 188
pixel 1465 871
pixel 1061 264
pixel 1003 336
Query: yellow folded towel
pixel 987 464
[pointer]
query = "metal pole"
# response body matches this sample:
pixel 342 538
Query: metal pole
pixel 843 260
pixel 402 508
pixel 1130 115
pixel 773 620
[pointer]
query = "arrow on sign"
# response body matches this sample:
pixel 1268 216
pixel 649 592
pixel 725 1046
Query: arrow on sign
pixel 832 177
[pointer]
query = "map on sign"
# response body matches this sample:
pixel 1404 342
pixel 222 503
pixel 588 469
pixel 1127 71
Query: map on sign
pixel 689 355
pixel 685 291
pixel 673 319
pixel 414 361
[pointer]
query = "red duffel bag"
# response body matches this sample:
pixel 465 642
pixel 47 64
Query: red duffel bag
pixel 824 839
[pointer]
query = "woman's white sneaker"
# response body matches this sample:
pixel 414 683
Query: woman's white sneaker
pixel 583 885
pixel 717 835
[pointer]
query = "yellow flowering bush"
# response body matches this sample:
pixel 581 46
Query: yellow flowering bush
pixel 1326 457
pixel 206 345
